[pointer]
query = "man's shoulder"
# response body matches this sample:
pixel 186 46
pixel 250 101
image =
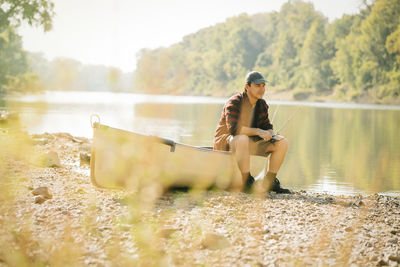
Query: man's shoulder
pixel 236 97
pixel 262 102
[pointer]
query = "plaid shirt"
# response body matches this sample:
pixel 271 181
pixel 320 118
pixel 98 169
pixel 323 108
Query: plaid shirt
pixel 237 113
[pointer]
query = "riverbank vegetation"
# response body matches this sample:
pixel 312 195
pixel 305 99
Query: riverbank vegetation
pixel 67 74
pixel 354 58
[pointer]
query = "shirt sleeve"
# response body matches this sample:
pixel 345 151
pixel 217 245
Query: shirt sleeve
pixel 232 110
pixel 263 121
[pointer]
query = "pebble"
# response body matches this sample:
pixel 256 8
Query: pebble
pixel 80 191
pixel 84 158
pixel 167 231
pixel 265 230
pixel 393 241
pixel 373 258
pixel 42 191
pixel 348 229
pixel 77 140
pixel 394 258
pixel 40 199
pixel 52 159
pixel 382 263
pixel 368 244
pixel 215 241
pixel 329 199
pixel 274 236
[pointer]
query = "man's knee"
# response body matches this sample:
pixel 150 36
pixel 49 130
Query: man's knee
pixel 241 142
pixel 279 145
pixel 283 143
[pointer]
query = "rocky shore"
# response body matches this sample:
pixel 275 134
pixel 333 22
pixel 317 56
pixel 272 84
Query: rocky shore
pixel 51 215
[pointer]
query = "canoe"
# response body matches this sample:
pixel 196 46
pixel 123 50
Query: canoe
pixel 123 159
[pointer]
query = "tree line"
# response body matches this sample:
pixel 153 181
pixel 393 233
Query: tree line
pixel 354 58
pixel 65 74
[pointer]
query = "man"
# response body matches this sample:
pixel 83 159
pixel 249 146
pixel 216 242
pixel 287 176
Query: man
pixel 245 129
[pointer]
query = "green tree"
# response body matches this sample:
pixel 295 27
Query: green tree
pixel 241 49
pixel 377 61
pixel 285 61
pixel 13 59
pixel 313 56
pixel 393 44
pixel 366 59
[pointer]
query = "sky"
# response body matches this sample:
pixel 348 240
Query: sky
pixel 111 32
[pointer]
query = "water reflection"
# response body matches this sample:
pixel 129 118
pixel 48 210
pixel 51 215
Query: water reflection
pixel 196 121
pixel 333 148
pixel 356 147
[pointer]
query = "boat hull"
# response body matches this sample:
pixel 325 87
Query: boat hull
pixel 123 159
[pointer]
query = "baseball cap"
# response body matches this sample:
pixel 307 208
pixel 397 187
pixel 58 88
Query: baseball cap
pixel 255 77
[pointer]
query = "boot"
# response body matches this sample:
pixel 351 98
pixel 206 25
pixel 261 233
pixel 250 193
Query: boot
pixel 276 187
pixel 248 185
pixel 271 183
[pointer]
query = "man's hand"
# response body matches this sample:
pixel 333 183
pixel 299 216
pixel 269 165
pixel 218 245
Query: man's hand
pixel 266 135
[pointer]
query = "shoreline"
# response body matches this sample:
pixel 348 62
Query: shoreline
pixel 76 223
pixel 270 95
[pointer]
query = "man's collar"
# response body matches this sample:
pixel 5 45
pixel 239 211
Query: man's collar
pixel 246 99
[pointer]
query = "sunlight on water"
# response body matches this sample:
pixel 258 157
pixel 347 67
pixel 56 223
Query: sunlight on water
pixel 71 111
pixel 330 183
pixel 61 97
pixel 334 148
pixel 332 186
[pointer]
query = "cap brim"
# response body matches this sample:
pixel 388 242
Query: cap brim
pixel 259 81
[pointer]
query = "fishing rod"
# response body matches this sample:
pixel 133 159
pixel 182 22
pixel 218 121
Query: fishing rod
pixel 275 111
pixel 272 140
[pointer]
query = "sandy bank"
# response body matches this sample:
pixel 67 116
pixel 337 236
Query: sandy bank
pixel 78 224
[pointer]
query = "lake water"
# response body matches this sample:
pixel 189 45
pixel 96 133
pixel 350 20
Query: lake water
pixel 333 148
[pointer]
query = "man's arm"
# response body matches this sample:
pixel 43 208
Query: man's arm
pixel 264 134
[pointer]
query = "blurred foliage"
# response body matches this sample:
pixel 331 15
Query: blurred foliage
pixel 15 73
pixel 354 58
pixel 34 12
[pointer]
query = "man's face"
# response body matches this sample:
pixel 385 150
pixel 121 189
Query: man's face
pixel 256 90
